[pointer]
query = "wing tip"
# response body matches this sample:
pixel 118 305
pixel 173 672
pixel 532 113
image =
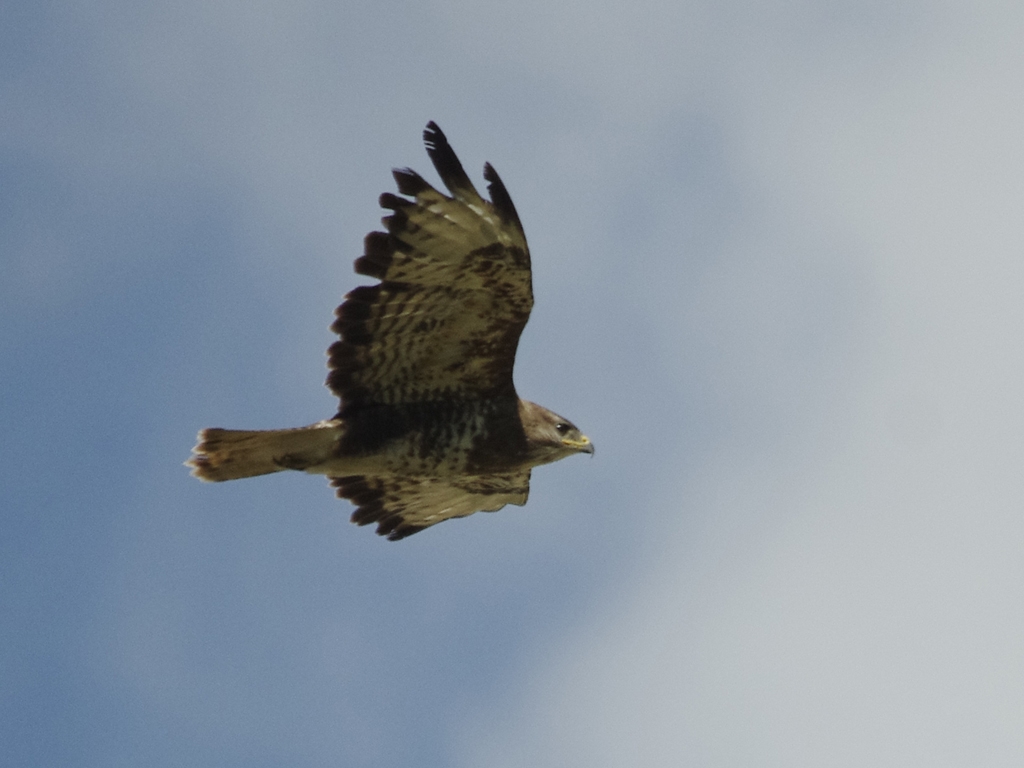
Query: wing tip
pixel 447 163
pixel 399 533
pixel 370 508
pixel 433 136
pixel 409 182
pixel 500 198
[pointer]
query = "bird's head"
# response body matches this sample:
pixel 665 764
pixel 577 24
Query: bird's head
pixel 551 437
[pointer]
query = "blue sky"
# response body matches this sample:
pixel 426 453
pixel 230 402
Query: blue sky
pixel 777 264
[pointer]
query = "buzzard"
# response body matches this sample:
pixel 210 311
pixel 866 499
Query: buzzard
pixel 430 426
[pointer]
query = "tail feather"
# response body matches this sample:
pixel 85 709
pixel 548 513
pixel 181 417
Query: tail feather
pixel 230 454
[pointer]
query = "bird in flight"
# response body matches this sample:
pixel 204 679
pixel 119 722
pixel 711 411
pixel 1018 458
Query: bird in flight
pixel 430 426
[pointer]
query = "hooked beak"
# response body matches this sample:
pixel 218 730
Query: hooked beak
pixel 583 445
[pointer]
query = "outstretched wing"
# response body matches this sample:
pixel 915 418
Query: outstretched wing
pixel 455 293
pixel 402 506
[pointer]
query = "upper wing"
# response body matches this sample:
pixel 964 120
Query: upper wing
pixel 402 506
pixel 454 295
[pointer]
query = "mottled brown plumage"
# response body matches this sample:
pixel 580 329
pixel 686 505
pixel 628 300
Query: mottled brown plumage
pixel 430 426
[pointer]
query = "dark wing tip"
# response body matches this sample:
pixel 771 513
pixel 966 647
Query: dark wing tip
pixel 500 197
pixel 434 136
pixel 368 497
pixel 447 162
pixel 409 182
pixel 399 532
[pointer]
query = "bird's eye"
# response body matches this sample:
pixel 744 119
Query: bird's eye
pixel 562 427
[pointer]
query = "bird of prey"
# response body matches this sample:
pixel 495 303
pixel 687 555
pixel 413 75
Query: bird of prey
pixel 430 426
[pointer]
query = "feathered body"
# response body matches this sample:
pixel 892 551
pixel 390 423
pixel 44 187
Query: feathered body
pixel 430 426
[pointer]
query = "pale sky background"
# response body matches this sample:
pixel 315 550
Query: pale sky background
pixel 778 268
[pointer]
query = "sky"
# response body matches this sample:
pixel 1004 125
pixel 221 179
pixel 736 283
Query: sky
pixel 778 272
